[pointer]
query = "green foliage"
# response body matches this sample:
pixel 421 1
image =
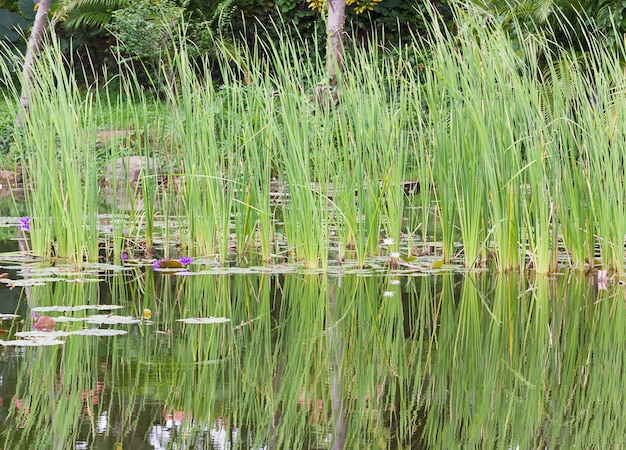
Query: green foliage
pixel 144 28
pixel 12 26
pixel 10 5
pixel 27 8
pixel 6 124
pixel 79 14
pixel 610 18
pixel 400 19
pixel 570 21
pixel 15 19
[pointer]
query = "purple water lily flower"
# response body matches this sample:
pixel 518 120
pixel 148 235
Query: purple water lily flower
pixel 185 260
pixel 124 256
pixel 156 264
pixel 24 223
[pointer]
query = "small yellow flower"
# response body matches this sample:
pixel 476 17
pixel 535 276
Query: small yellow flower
pixel 365 5
pixel 147 314
pixel 36 7
pixel 316 4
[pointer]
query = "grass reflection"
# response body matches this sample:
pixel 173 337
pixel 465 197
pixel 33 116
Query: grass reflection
pixel 543 371
pixel 59 390
pixel 321 361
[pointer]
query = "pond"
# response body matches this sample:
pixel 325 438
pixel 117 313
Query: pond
pixel 289 359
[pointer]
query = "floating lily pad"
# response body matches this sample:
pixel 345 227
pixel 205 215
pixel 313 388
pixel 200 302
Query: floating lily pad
pixel 110 319
pixel 9 221
pixel 19 257
pixel 75 308
pixel 206 262
pixel 84 280
pixel 204 320
pixel 59 334
pixel 104 332
pixel 103 266
pixel 168 264
pixel 67 319
pixel 31 343
pixel 29 281
pixel 282 269
pixel 65 271
pixel 9 316
pixel 33 335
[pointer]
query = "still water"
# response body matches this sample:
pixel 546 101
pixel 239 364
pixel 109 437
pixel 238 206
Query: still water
pixel 314 361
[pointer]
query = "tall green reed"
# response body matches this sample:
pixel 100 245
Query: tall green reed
pixel 58 159
pixel 379 128
pixel 599 105
pixel 206 193
pixel 301 157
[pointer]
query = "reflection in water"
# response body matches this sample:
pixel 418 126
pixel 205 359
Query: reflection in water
pixel 321 361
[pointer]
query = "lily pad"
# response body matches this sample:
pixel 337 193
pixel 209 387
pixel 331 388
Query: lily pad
pixel 75 308
pixel 58 334
pixel 67 319
pixel 20 257
pixel 104 332
pixel 280 269
pixel 31 343
pixel 65 271
pixel 103 266
pixel 168 264
pixel 41 335
pixel 29 281
pixel 204 320
pixel 110 319
pixel 83 280
pixel 9 316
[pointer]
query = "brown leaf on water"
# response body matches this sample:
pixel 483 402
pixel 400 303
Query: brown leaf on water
pixel 170 264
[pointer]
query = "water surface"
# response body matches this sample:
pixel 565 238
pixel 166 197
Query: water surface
pixel 319 361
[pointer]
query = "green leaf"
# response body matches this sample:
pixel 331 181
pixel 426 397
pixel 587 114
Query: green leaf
pixel 437 264
pixel 27 8
pixel 10 23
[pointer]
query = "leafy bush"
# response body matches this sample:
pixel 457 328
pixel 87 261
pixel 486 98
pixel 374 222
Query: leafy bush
pixel 144 29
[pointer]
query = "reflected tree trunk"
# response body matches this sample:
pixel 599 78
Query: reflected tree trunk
pixel 33 47
pixel 335 346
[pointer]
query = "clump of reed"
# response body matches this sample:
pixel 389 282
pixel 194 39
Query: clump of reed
pixel 516 162
pixel 524 161
pixel 56 143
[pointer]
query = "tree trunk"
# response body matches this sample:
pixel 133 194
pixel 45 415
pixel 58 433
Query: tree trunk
pixel 326 95
pixel 32 48
pixel 335 31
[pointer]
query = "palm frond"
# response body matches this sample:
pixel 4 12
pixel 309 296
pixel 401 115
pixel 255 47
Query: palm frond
pixel 81 13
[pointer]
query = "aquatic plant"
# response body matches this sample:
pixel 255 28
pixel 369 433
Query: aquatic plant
pixel 513 161
pixel 55 145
